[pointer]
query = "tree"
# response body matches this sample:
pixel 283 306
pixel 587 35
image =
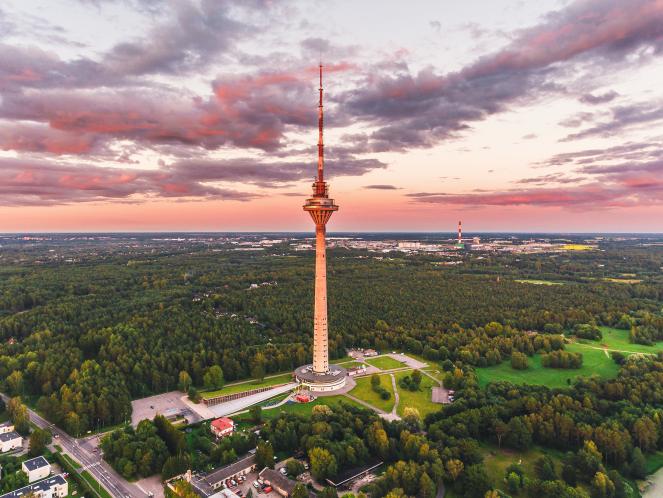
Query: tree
pixel 294 467
pixel 299 491
pixel 39 439
pixel 454 468
pixel 328 492
pixel 264 455
pixel 638 467
pixel 416 379
pixel 518 361
pixel 174 438
pixel 213 378
pixel 258 365
pixel 15 383
pixel 323 463
pixel 545 468
pixel 427 488
pixel 500 429
pixel 513 482
pixel 412 419
pixel 194 395
pixel 175 465
pixel 18 414
pixel 475 482
pixel 13 481
pixel 375 381
pixel 256 414
pixel 602 486
pixel 184 490
pixel 184 381
pixel 519 435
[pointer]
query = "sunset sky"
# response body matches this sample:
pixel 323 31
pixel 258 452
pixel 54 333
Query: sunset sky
pixel 150 115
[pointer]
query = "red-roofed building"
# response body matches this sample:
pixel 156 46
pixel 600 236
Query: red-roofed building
pixel 222 427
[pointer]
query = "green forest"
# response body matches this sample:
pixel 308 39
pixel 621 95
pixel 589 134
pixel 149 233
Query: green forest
pixel 79 341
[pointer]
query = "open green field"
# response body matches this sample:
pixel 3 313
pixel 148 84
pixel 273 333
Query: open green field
pixel 421 400
pixel 248 385
pixel 595 362
pixel 385 363
pixel 617 339
pixel 364 392
pixel 654 462
pixel 538 282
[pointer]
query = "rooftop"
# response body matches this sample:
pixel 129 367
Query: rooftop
pixel 279 480
pixel 42 486
pixel 36 463
pixel 224 473
pixel 223 423
pixel 9 436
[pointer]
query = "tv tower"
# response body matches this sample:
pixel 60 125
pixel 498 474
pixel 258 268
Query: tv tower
pixel 460 232
pixel 320 376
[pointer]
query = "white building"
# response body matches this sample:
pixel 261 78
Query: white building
pixel 6 427
pixel 36 468
pixel 10 441
pixel 53 487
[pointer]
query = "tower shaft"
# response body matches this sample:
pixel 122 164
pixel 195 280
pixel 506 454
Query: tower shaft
pixel 320 331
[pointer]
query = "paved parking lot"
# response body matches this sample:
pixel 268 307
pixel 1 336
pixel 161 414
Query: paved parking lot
pixel 159 404
pixel 247 485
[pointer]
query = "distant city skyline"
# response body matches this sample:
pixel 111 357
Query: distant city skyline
pixel 199 115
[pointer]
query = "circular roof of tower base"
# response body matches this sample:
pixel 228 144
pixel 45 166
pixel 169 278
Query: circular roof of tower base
pixel 306 375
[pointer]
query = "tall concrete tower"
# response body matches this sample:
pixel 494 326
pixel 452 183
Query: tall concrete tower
pixel 320 376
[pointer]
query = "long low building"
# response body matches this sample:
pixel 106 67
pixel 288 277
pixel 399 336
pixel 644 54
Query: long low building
pixel 207 484
pixel 53 487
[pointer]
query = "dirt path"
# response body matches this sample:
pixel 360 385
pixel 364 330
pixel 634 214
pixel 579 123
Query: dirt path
pixel 655 490
pixel 397 398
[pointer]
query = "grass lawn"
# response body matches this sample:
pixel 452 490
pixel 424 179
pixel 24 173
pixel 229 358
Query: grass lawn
pixel 248 385
pixel 364 392
pixel 385 363
pixel 305 409
pixel 538 282
pixel 654 462
pixel 435 372
pixel 95 485
pixel 421 400
pixel 71 461
pixel 595 362
pixel 618 339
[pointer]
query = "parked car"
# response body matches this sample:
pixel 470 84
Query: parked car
pixel 256 484
pixel 268 489
pixel 283 471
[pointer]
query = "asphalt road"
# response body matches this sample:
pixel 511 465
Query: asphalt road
pixel 115 484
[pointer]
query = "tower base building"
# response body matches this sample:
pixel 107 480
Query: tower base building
pixel 321 382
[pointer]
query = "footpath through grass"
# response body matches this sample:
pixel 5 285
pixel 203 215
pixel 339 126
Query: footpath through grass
pixel 364 391
pixel 421 399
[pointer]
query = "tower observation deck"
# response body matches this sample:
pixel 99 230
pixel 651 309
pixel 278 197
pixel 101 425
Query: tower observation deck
pixel 320 376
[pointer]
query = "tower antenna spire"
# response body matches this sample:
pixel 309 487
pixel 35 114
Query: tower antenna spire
pixel 321 145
